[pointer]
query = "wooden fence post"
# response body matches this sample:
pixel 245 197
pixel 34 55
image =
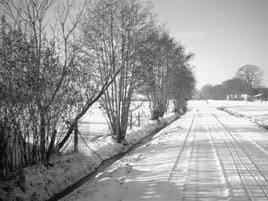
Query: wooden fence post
pixel 130 121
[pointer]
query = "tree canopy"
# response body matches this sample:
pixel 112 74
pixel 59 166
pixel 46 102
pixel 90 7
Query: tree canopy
pixel 246 79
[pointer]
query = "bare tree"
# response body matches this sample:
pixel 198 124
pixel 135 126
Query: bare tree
pixel 181 78
pixel 253 76
pixel 166 73
pixel 157 58
pixel 48 68
pixel 182 84
pixel 113 33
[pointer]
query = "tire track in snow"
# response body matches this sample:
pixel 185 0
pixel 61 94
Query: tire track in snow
pixel 204 180
pixel 233 161
pixel 252 171
pixel 184 188
pixel 182 148
pixel 218 158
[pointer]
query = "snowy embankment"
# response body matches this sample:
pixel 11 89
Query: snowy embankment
pixel 39 182
pixel 256 112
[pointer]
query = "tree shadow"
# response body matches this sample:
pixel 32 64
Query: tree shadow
pixel 132 183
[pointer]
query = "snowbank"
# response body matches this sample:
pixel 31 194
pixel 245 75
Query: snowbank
pixel 39 182
pixel 256 113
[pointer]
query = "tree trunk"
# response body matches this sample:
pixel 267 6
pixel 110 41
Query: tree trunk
pixel 42 135
pixel 51 145
pixel 155 115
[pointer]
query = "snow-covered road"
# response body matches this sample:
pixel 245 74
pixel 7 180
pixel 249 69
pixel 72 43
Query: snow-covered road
pixel 205 155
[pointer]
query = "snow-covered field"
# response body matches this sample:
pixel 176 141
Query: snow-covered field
pixel 256 111
pixel 98 122
pixel 95 124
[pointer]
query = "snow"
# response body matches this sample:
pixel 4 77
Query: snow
pixel 96 121
pixel 94 124
pixel 128 177
pixel 40 183
pixel 256 111
pixel 210 165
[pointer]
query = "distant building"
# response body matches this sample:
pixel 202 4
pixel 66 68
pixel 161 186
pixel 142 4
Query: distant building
pixel 260 93
pixel 258 97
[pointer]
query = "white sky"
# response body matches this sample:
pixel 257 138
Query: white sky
pixel 223 34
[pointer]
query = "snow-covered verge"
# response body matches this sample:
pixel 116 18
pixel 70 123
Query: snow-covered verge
pixel 257 113
pixel 39 182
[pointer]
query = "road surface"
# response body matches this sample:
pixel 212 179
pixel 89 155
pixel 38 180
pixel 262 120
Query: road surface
pixel 206 155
